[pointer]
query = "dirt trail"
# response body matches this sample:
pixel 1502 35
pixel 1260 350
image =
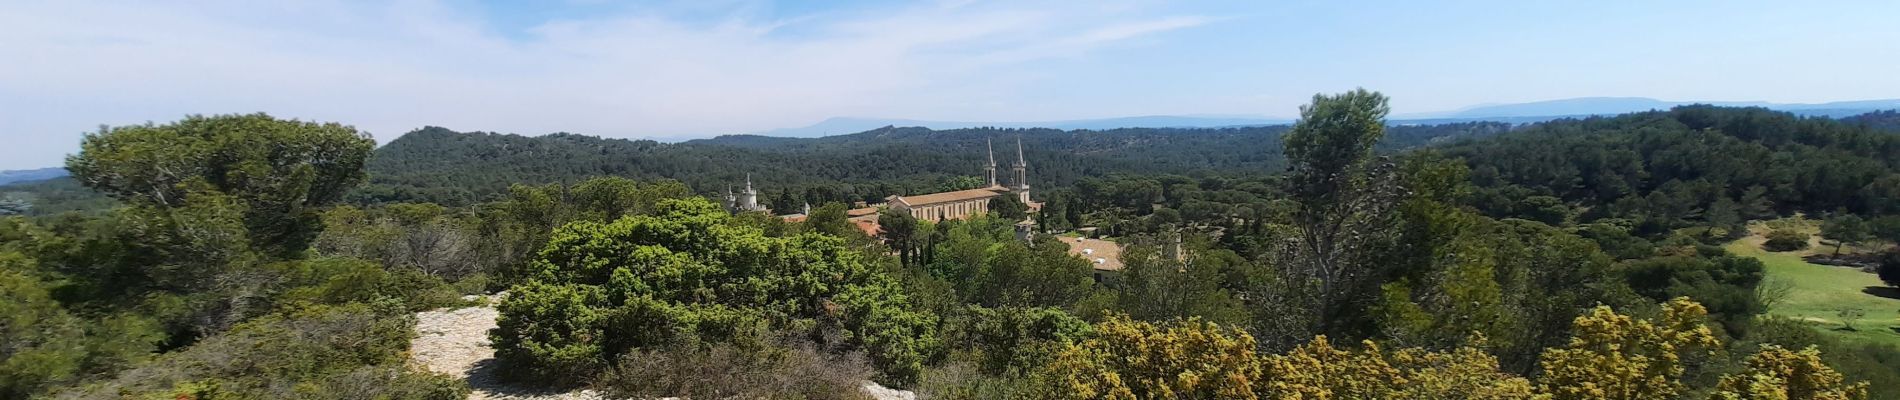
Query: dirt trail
pixel 455 342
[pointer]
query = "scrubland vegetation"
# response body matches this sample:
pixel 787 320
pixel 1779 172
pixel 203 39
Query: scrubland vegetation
pixel 1603 258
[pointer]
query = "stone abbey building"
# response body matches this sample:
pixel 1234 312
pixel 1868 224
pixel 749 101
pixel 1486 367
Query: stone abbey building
pixel 930 207
pixel 966 203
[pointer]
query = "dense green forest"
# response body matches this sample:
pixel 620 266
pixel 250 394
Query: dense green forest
pixel 442 166
pixel 242 256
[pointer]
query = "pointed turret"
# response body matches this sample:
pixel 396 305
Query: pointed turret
pixel 749 199
pixel 1019 153
pixel 990 150
pixel 732 202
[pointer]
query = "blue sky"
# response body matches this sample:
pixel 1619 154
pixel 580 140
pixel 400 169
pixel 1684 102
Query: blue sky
pixel 682 69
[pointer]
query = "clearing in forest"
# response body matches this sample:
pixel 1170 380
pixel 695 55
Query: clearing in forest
pixel 1820 293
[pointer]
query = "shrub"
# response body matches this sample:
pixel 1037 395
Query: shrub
pixel 728 371
pixel 1785 240
pixel 689 275
pixel 44 346
pixel 1018 338
pixel 345 280
pixel 1131 359
pixel 549 333
pixel 348 351
pixel 1890 267
pixel 1614 356
pixel 1777 373
pixel 1318 370
pixel 963 379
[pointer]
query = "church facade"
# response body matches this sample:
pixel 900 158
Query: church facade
pixel 967 203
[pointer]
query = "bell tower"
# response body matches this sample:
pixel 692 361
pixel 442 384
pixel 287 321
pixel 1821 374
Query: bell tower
pixel 991 168
pixel 1021 170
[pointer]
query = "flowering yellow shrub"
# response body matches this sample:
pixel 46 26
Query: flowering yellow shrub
pixel 1130 359
pixel 1320 371
pixel 1613 356
pixel 1777 373
pixel 1610 356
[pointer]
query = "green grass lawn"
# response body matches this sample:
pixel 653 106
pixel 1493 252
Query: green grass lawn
pixel 1820 292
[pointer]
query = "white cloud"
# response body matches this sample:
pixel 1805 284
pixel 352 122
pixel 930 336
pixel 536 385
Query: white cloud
pixel 68 66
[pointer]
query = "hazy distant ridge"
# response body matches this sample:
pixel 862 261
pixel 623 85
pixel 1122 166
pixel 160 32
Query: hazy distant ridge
pixel 29 175
pixel 1515 113
pixel 1619 105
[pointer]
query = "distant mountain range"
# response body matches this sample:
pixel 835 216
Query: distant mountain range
pixel 849 125
pixel 1618 105
pixel 30 175
pixel 1514 113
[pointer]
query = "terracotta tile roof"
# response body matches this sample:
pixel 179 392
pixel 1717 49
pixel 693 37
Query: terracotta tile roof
pixel 870 228
pixel 859 212
pixel 946 197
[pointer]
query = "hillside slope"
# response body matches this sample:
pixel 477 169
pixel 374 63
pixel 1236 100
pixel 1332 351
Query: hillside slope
pixel 444 166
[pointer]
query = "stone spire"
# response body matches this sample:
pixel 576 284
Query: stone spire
pixel 1019 153
pixel 991 168
pixel 1022 173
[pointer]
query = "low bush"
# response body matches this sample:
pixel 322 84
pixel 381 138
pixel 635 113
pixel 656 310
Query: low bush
pixel 1889 268
pixel 730 371
pixel 1785 240
pixel 603 290
pixel 323 352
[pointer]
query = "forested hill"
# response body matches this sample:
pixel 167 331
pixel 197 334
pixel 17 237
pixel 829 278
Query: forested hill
pixel 439 165
pixel 1888 120
pixel 1688 163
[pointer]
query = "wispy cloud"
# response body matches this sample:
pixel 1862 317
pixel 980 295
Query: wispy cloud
pixel 392 67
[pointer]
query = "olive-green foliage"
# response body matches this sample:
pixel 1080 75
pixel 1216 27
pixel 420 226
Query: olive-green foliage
pixel 426 238
pixel 1519 283
pixel 1041 274
pixel 1722 283
pixel 1015 340
pixel 345 280
pixel 47 347
pixel 1889 269
pixel 600 290
pixel 1668 169
pixel 1885 228
pixel 1345 199
pixel 727 371
pixel 282 172
pixel 830 219
pixel 552 333
pixel 322 352
pixel 514 230
pixel 1155 286
pixel 1614 237
pixel 959 379
pixel 1845 229
pixel 1009 208
pixel 1785 240
pixel 990 267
